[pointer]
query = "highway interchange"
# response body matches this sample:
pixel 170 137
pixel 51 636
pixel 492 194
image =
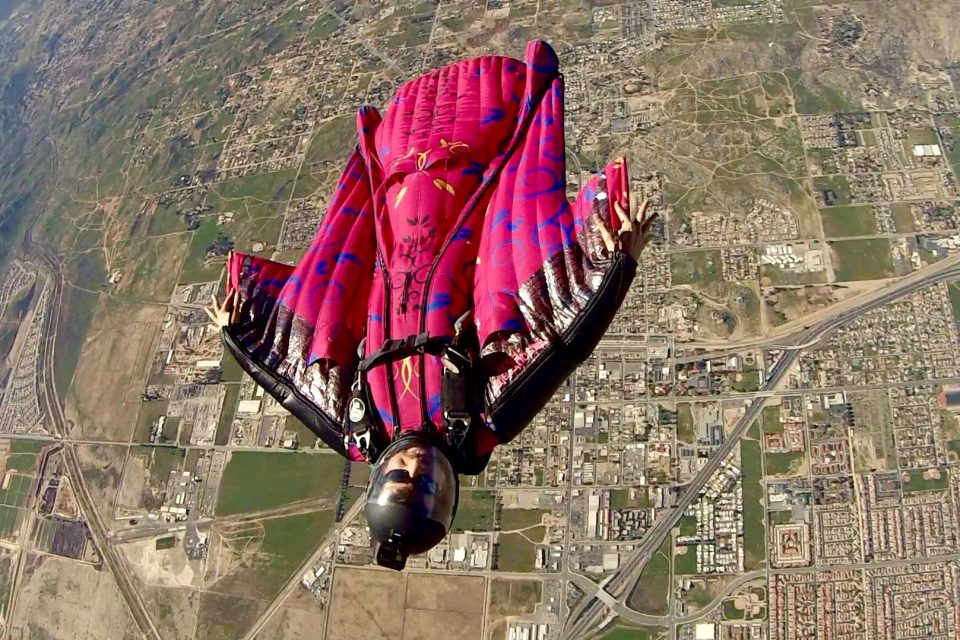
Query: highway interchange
pixel 591 613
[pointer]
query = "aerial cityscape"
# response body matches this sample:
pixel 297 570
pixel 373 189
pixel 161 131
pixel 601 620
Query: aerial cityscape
pixel 764 446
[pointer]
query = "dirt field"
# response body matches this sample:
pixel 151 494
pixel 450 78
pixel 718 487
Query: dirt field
pixel 174 611
pixel 112 371
pixel 225 617
pixel 131 487
pixel 302 617
pixel 370 603
pixel 102 465
pixel 164 568
pixel 65 600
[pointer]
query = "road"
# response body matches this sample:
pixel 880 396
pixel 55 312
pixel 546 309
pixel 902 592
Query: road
pixel 153 529
pixel 801 333
pixel 294 581
pixel 591 613
pixel 53 408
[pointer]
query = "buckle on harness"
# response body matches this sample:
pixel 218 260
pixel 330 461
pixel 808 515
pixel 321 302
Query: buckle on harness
pixel 359 428
pixel 455 394
pixel 393 350
pixel 364 442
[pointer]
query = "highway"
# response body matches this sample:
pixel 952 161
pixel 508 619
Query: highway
pixel 802 333
pixel 592 613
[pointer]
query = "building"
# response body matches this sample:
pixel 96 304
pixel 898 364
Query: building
pixel 705 631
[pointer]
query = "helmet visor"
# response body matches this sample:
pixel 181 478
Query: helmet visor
pixel 417 476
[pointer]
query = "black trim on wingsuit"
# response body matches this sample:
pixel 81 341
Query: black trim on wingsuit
pixel 292 400
pixel 519 404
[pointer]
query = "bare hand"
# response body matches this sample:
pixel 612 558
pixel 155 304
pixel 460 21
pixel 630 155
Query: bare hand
pixel 634 232
pixel 222 315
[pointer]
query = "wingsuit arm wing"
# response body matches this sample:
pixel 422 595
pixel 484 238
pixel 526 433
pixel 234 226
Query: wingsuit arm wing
pixel 298 326
pixel 589 283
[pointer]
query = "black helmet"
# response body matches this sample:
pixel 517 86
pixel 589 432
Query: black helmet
pixel 411 499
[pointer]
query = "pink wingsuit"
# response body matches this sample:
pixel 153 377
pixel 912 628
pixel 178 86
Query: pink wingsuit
pixel 453 206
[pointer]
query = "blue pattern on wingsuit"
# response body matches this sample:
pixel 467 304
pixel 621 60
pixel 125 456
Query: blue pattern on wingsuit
pixel 493 115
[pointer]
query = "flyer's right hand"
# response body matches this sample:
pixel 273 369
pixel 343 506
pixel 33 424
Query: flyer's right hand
pixel 222 315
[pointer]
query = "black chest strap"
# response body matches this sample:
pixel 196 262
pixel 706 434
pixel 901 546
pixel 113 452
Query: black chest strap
pixel 461 389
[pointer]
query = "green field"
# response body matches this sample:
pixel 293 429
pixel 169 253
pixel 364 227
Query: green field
pixel 916 482
pixel 838 184
pixel 475 511
pixel 685 430
pixel 514 597
pixel 6 581
pixel 17 492
pixel 163 461
pixel 306 438
pixel 750 381
pixel 780 517
pixel 22 462
pixel 953 288
pixel 778 276
pixel 630 633
pixel 862 259
pixel 771 420
pixel 686 564
pixel 696 267
pixel 227 413
pixel 286 544
pixel 512 519
pixel 332 138
pixel 730 612
pixel 20 445
pixel 810 96
pixel 753 509
pixel 150 412
pixel 779 464
pixel 10 518
pixel 232 371
pixel 902 217
pixel 688 525
pixel 699 596
pixel 255 480
pixel 166 543
pixel 842 222
pixel 516 553
pixel 620 499
pixel 197 267
pixel 78 308
pixel 652 593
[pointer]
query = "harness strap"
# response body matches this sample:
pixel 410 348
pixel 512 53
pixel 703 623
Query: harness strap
pixel 458 384
pixel 392 350
pixel 458 392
